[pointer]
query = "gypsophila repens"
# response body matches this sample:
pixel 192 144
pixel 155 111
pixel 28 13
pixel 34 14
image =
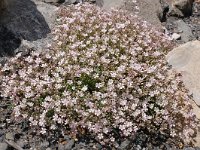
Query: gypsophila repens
pixel 105 70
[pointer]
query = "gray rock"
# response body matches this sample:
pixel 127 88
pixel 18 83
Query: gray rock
pixel 3 146
pixel 8 42
pixel 61 146
pixel 176 36
pixel 79 1
pixel 3 5
pixel 167 146
pixel 69 145
pixel 189 148
pixel 92 1
pixel 99 3
pixel 21 20
pixel 67 137
pixel 48 148
pixel 185 59
pixel 51 1
pixel 98 146
pixel 21 142
pixel 44 144
pixel 48 11
pixel 149 11
pixel 69 2
pixel 186 34
pixel 175 12
pixel 108 4
pixel 25 47
pixel 26 20
pixel 10 136
pixel 2 134
pixel 124 145
pixel 162 11
pixel 185 6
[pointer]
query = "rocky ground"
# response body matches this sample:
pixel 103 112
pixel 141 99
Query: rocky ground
pixel 186 27
pixel 29 28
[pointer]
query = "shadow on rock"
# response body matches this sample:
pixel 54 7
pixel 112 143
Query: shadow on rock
pixel 21 20
pixel 100 3
pixel 8 42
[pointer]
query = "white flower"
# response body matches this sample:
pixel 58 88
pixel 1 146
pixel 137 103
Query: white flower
pixel 53 127
pixel 99 85
pixel 122 127
pixel 126 73
pixel 113 74
pixel 136 66
pixel 105 130
pixel 120 25
pixel 84 88
pixel 121 68
pixel 100 136
pixel 112 139
pixel 43 130
pixel 66 27
pixel 123 102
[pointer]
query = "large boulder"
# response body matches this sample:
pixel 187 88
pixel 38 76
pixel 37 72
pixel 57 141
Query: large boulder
pixel 162 11
pixel 8 42
pixel 182 7
pixel 107 4
pixel 186 60
pixel 186 31
pixel 29 20
pixel 151 11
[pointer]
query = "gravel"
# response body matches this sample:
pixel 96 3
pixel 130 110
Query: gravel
pixel 188 27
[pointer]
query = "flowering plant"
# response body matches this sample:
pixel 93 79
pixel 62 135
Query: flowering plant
pixel 104 71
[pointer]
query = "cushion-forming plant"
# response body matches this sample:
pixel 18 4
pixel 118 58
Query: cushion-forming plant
pixel 105 71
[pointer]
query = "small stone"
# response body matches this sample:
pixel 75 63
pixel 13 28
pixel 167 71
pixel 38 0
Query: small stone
pixel 124 145
pixel 44 144
pixel 10 136
pixel 48 148
pixel 21 143
pixel 92 1
pixel 51 1
pixel 186 34
pixel 61 146
pixel 1 135
pixel 66 137
pixel 189 148
pixel 69 2
pixel 176 36
pixel 3 146
pixel 69 145
pixel 98 146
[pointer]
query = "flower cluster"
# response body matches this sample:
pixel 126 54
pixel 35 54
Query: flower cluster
pixel 105 71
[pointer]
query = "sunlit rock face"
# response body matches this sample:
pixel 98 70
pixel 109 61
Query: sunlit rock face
pixel 186 60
